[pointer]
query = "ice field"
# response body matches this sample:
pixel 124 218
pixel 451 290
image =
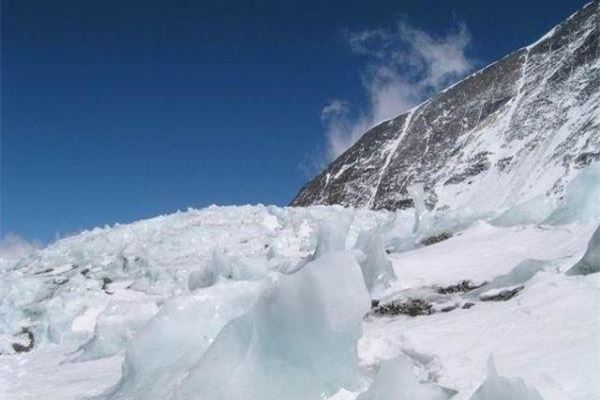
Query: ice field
pixel 258 302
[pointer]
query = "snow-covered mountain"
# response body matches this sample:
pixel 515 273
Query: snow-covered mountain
pixel 515 132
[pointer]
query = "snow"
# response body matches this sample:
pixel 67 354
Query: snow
pixel 547 334
pixel 267 302
pixel 47 374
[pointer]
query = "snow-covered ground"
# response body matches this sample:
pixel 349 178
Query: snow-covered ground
pixel 549 334
pixel 258 302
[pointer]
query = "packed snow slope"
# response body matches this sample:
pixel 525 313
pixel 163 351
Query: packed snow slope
pixel 515 132
pixel 325 302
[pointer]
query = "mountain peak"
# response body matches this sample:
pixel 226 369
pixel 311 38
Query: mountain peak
pixel 518 129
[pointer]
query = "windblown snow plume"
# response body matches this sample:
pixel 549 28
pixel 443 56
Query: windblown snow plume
pixel 404 67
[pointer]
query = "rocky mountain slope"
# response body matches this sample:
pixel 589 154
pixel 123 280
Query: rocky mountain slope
pixel 518 130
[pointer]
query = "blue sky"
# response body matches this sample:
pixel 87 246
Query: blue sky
pixel 116 111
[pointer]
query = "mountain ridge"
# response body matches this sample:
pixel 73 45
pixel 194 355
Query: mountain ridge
pixel 520 127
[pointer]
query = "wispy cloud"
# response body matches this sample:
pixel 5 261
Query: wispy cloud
pixel 402 67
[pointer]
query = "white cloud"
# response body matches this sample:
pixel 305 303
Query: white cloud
pixel 403 67
pixel 334 108
pixel 340 131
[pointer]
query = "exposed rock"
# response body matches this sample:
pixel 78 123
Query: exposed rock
pixel 46 271
pixel 449 308
pixel 21 348
pixel 411 307
pixel 105 282
pixel 436 239
pixel 462 287
pixel 502 295
pixel 586 159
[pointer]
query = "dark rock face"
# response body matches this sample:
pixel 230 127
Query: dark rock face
pixel 461 287
pixel 436 239
pixel 410 307
pixel 22 348
pixel 504 295
pixel 521 127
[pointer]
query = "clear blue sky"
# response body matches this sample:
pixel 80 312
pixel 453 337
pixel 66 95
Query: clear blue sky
pixel 114 111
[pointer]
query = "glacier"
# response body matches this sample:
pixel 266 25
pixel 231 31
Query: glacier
pixel 268 302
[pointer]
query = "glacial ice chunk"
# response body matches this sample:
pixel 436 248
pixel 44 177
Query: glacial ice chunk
pixel 331 235
pixel 395 380
pixel 297 343
pixel 590 263
pixel 228 267
pixel 496 387
pixel 205 276
pixel 9 316
pixel 115 327
pixel 582 200
pixel 531 211
pixel 245 268
pixel 417 193
pixel 163 352
pixel 376 267
pixel 520 274
pixel 396 229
